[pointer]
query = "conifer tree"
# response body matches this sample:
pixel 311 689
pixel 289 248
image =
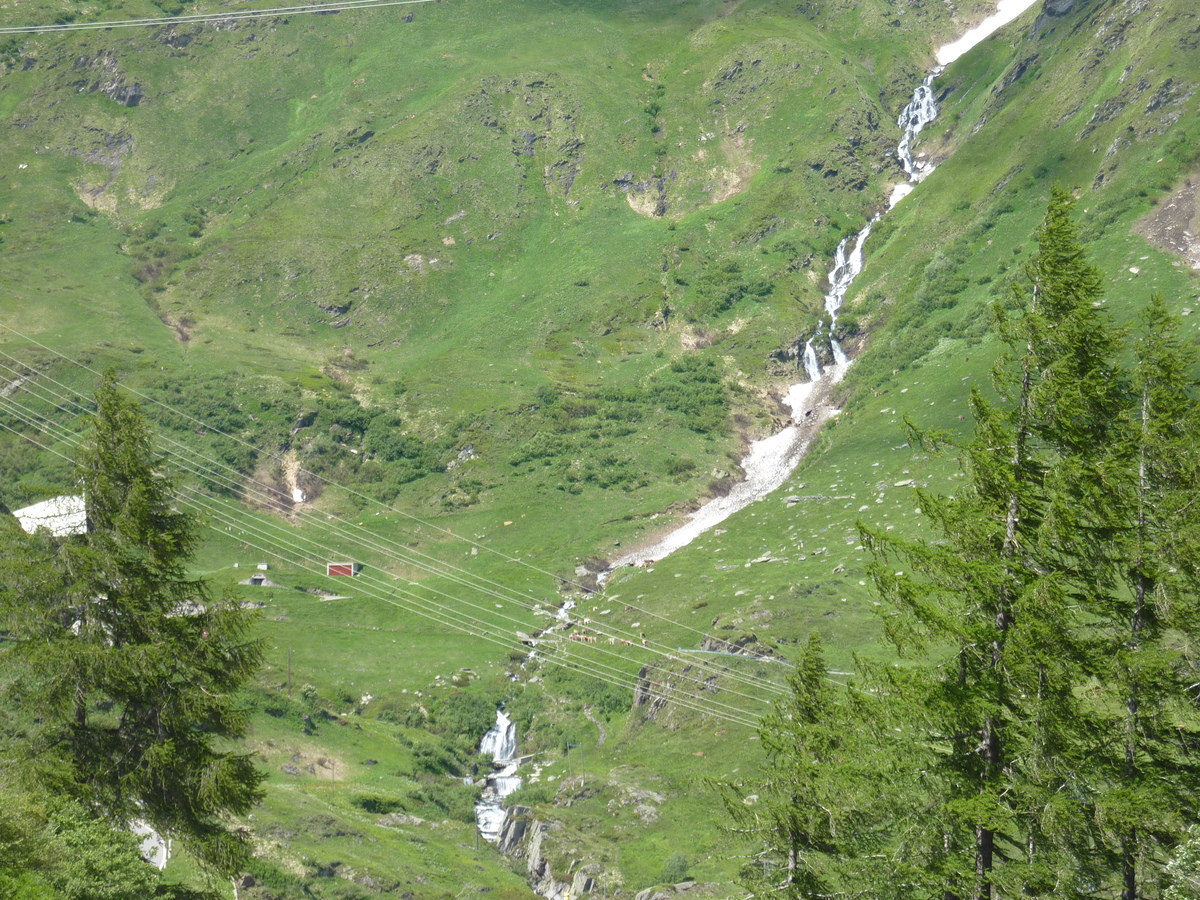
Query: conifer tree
pixel 1001 590
pixel 1148 685
pixel 817 820
pixel 1043 736
pixel 131 666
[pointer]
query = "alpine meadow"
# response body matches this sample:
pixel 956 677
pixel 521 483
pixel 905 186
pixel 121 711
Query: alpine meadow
pixel 616 448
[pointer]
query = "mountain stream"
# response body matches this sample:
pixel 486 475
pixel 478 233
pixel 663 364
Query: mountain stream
pixel 770 461
pixel 501 743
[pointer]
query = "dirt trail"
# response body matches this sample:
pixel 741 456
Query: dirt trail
pixel 587 711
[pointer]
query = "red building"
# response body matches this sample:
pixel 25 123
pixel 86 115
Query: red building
pixel 342 569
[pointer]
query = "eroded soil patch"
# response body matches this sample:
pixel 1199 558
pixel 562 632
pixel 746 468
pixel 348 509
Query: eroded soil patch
pixel 1174 225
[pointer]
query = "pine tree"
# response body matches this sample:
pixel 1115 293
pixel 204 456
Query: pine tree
pixel 1000 592
pixel 132 666
pixel 1146 682
pixel 816 820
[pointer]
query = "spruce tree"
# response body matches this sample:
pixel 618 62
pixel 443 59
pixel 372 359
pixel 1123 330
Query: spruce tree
pixel 999 593
pixel 129 667
pixel 817 820
pixel 1145 685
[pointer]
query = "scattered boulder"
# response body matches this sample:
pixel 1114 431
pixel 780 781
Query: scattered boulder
pixel 391 820
pixel 648 814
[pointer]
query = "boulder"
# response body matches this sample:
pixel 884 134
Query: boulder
pixel 582 884
pixel 513 830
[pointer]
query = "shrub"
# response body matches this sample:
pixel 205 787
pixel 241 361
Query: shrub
pixel 468 715
pixel 532 794
pixel 675 869
pixel 680 465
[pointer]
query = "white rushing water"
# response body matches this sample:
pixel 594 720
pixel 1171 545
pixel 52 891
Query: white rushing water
pixel 767 465
pixel 1006 11
pixel 501 743
pixel 771 460
pixel 920 111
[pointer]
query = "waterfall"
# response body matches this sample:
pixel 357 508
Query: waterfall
pixel 811 366
pixel 846 267
pixel 771 460
pixel 501 743
pixel 839 355
pixel 919 112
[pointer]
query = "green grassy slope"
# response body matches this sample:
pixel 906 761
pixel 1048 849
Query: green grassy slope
pixel 478 203
pixel 782 568
pixel 564 164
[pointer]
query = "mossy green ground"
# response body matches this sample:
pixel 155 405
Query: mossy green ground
pixel 249 216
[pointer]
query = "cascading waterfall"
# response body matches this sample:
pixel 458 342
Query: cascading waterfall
pixel 846 267
pixel 811 365
pixel 771 460
pixel 919 112
pixel 501 743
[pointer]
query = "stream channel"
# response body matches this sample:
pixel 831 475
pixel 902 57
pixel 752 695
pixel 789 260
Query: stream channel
pixel 501 743
pixel 770 461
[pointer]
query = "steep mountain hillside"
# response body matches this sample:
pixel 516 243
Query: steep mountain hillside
pixel 443 217
pixel 534 273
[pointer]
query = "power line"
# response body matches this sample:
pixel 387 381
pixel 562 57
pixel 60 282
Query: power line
pixel 605 674
pixel 301 555
pixel 275 456
pixel 754 681
pixel 335 6
pixel 238 482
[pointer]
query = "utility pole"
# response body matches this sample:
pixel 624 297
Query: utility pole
pixel 289 671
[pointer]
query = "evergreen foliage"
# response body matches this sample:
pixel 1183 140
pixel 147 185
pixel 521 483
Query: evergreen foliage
pixel 822 815
pixel 1042 735
pixel 132 665
pixel 51 849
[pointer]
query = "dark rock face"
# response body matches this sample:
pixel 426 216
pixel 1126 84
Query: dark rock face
pixel 104 76
pixel 1058 7
pixel 516 823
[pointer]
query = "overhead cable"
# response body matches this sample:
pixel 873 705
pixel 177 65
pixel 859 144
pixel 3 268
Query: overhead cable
pixel 202 18
pixel 368 499
pixel 276 497
pixel 302 556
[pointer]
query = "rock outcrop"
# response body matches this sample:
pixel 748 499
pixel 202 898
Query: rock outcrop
pixel 104 76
